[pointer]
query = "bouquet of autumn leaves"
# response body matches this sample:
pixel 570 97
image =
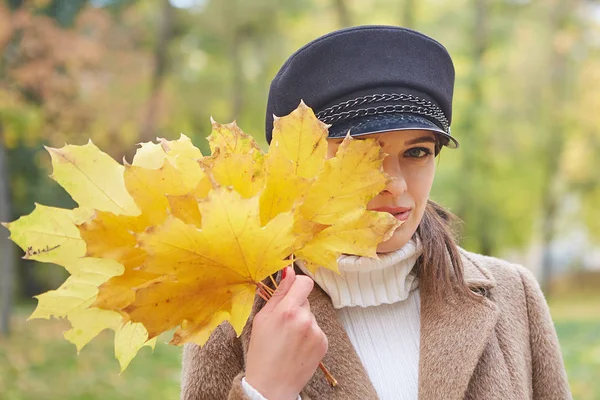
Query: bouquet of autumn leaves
pixel 181 240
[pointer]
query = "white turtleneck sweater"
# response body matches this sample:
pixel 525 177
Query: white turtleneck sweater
pixel 378 303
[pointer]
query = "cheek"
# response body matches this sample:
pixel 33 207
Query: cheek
pixel 419 187
pixel 419 182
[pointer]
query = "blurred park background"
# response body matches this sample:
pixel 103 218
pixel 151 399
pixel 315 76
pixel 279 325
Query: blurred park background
pixel 525 181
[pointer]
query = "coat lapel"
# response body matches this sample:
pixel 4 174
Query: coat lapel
pixel 341 359
pixel 454 331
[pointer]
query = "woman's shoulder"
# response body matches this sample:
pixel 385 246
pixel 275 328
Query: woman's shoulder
pixel 501 275
pixel 511 287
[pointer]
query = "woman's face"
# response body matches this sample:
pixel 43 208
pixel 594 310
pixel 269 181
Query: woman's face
pixel 410 162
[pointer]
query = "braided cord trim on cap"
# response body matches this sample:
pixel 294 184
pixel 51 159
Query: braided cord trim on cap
pixel 421 106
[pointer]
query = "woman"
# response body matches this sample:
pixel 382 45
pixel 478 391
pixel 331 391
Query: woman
pixel 427 320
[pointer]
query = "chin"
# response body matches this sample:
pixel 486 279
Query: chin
pixel 401 236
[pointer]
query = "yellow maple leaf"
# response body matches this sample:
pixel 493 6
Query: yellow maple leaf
pixel 92 178
pixel 160 174
pixel 50 234
pixel 236 160
pixel 152 155
pixel 346 183
pixel 127 340
pixel 150 188
pixel 296 155
pixel 177 240
pixel 357 233
pixel 111 236
pixel 182 155
pixel 215 269
pixel 119 291
pixel 300 138
pixel 79 288
pixel 185 207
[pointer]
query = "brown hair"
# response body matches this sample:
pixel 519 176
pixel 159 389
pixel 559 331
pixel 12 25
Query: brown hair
pixel 440 264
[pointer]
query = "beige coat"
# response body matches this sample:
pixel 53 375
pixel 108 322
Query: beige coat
pixel 499 345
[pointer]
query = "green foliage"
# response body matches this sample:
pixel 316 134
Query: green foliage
pixel 577 319
pixel 581 352
pixel 64 11
pixel 14 4
pixel 37 363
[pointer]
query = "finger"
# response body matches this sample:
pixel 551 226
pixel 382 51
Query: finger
pixel 306 305
pixel 282 289
pixel 298 293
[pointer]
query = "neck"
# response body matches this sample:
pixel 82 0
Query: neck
pixel 367 281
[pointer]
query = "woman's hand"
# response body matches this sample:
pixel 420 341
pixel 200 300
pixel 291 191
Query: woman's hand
pixel 286 344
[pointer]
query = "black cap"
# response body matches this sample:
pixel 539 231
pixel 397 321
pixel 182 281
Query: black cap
pixel 369 79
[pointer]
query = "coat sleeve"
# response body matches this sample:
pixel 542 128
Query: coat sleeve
pixel 549 378
pixel 215 371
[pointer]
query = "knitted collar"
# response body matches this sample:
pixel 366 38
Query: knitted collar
pixel 365 281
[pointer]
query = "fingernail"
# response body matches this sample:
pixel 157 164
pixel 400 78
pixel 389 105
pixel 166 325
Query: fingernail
pixel 284 271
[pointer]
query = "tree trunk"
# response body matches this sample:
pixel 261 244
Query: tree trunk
pixel 165 32
pixel 486 241
pixel 553 143
pixel 238 85
pixel 343 13
pixel 470 208
pixel 7 256
pixel 408 13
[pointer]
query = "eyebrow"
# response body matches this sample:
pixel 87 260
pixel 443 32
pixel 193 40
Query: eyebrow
pixel 421 139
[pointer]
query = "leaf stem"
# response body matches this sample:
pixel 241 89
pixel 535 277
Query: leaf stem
pixel 273 281
pixel 263 295
pixel 266 288
pixel 332 381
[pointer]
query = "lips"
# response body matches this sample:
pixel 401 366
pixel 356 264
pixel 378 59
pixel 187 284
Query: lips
pixel 400 213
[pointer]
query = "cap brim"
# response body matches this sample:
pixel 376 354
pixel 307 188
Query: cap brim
pixel 372 124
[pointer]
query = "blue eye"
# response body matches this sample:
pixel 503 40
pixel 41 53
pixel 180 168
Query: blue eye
pixel 417 152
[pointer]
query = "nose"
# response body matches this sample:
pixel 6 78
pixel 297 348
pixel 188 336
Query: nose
pixel 397 184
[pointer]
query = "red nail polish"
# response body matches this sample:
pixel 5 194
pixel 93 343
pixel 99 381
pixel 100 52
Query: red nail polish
pixel 283 272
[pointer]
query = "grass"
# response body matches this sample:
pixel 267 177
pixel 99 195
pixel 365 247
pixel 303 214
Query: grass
pixel 37 363
pixel 576 316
